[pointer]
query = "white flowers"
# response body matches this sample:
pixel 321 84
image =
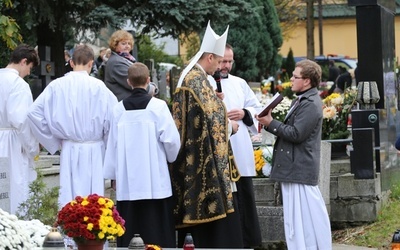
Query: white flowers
pixel 280 111
pixel 17 234
pixel 267 155
pixel 266 170
pixel 329 112
pixel 37 231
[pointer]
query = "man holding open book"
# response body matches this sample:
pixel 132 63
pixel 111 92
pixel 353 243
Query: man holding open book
pixel 296 159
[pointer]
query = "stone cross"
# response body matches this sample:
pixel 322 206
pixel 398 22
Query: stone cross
pixel 47 69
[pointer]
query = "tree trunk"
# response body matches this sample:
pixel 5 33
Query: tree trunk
pixel 321 43
pixel 310 30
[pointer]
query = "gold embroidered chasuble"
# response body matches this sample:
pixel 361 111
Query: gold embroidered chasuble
pixel 200 175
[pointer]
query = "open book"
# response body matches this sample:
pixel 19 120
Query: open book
pixel 276 99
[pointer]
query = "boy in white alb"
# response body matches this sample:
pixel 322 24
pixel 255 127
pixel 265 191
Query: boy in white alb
pixel 143 139
pixel 17 142
pixel 73 113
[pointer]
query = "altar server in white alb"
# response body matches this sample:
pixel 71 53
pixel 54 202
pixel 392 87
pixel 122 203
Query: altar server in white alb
pixel 242 105
pixel 73 114
pixel 143 139
pixel 17 143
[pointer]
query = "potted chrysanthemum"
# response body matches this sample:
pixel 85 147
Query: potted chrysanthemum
pixel 91 220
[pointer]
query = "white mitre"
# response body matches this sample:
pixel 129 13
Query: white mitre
pixel 212 43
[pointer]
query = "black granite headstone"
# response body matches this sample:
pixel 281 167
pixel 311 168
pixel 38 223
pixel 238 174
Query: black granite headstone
pixel 368 118
pixel 362 156
pixel 375 41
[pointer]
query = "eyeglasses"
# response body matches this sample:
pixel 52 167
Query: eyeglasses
pixel 230 62
pixel 298 77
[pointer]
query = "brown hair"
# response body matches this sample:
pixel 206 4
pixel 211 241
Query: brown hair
pixel 24 51
pixel 83 54
pixel 118 36
pixel 138 73
pixel 310 70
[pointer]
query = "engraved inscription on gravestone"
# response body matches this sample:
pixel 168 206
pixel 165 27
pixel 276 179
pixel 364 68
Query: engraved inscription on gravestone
pixel 4 184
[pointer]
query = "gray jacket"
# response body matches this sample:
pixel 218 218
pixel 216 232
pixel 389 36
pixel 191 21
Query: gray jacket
pixel 116 74
pixel 296 156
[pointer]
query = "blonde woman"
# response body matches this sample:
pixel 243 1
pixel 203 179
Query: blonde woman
pixel 116 70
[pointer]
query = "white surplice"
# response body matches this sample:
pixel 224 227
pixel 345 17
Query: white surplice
pixel 306 220
pixel 17 143
pixel 238 95
pixel 73 114
pixel 139 145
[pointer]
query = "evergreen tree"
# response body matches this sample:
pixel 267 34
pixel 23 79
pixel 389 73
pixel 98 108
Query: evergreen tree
pixel 290 65
pixel 274 31
pixel 256 39
pixel 244 35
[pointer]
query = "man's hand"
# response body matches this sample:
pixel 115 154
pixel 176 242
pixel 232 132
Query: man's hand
pixel 265 120
pixel 235 127
pixel 220 95
pixel 236 114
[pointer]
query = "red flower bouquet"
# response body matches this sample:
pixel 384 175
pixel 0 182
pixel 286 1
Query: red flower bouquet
pixel 91 218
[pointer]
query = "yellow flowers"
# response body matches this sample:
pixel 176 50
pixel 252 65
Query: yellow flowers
pixel 258 158
pixel 85 202
pixel 328 99
pixel 286 85
pixel 152 247
pixel 91 217
pixel 265 88
pixel 101 201
pixel 101 235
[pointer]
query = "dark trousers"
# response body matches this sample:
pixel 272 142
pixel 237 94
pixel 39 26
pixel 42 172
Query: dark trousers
pixel 222 233
pixel 248 213
pixel 152 219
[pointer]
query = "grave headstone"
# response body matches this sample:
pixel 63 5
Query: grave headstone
pixel 162 85
pixel 376 58
pixel 4 184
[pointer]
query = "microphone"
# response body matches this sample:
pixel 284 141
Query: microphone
pixel 217 78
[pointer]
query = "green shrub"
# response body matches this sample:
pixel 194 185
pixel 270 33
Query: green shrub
pixel 42 203
pixel 395 192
